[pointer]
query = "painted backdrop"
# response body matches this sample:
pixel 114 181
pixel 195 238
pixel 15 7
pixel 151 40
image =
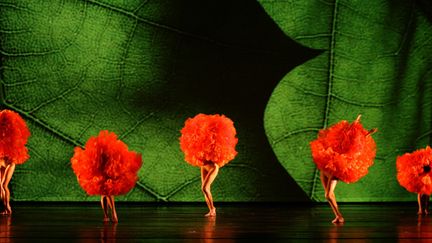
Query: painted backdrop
pixel 281 70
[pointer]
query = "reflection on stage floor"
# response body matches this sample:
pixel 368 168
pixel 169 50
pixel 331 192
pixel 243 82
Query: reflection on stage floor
pixel 292 222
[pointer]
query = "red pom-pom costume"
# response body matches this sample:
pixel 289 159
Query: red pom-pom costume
pixel 344 151
pixel 414 174
pixel 208 138
pixel 13 138
pixel 208 141
pixel 414 171
pixel 106 167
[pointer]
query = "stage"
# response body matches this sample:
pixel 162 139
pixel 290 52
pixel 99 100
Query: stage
pixel 186 222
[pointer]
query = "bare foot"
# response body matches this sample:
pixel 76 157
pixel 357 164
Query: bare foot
pixel 106 219
pixel 338 220
pixel 114 219
pixel 212 213
pixel 6 212
pixel 422 212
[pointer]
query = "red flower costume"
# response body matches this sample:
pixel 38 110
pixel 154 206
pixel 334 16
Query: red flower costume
pixel 414 171
pixel 208 138
pixel 208 141
pixel 13 137
pixel 105 166
pixel 344 151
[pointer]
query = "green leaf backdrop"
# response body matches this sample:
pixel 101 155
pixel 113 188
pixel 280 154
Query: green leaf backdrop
pixel 376 62
pixel 140 68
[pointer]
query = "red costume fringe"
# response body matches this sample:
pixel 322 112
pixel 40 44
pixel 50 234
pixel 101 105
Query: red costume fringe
pixel 105 166
pixel 208 138
pixel 414 171
pixel 344 151
pixel 13 137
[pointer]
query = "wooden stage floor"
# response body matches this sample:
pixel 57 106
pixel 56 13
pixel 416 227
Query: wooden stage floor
pixel 235 222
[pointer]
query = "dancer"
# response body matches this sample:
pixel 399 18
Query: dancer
pixel 343 152
pixel 208 141
pixel 106 167
pixel 415 175
pixel 13 138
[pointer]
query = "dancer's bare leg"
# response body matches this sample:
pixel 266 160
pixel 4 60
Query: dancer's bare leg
pixel 423 203
pixel 6 177
pixel 104 203
pixel 212 171
pixel 2 191
pixel 111 204
pixel 204 174
pixel 419 202
pixel 332 199
pixel 3 166
pixel 329 185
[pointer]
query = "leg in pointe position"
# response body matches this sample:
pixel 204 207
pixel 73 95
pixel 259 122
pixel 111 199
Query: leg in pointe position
pixel 208 174
pixel 329 184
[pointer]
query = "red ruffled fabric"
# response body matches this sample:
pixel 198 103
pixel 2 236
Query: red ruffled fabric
pixel 105 166
pixel 13 137
pixel 414 171
pixel 208 138
pixel 344 150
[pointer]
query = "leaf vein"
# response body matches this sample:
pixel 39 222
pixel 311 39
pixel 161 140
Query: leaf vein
pixel 27 54
pixel 25 82
pixel 9 5
pixel 13 31
pixel 146 188
pixel 43 125
pixel 176 30
pixel 315 36
pixel 52 100
pixel 330 82
pixel 122 67
pixel 182 186
pixel 139 122
pixel 140 6
pixel 289 134
pixel 88 126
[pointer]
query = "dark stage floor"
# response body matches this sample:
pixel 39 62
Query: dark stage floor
pixel 83 223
